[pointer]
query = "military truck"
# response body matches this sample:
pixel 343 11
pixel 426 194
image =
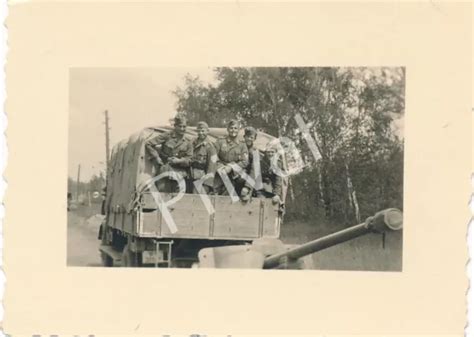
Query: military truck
pixel 134 231
pixel 234 234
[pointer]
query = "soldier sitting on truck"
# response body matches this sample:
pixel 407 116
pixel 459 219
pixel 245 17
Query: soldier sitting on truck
pixel 272 182
pixel 171 152
pixel 230 152
pixel 250 135
pixel 204 160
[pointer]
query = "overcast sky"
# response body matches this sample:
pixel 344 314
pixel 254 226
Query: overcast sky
pixel 135 98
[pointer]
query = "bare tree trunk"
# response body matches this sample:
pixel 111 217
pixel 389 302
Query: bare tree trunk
pixel 352 195
pixel 327 192
pixel 320 183
pixel 356 205
pixel 349 190
pixel 290 188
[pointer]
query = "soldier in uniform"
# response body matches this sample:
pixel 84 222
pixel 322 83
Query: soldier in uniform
pixel 204 159
pixel 250 135
pixel 171 152
pixel 229 151
pixel 272 181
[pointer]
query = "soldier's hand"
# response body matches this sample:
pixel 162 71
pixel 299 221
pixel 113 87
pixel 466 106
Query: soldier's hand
pixel 228 169
pixel 173 160
pixel 158 161
pixel 225 169
pixel 276 200
pixel 245 194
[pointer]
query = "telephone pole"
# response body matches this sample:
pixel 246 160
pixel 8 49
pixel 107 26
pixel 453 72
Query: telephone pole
pixel 78 181
pixel 107 143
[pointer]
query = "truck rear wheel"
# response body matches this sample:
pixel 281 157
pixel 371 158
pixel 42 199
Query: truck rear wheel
pixel 129 258
pixel 107 261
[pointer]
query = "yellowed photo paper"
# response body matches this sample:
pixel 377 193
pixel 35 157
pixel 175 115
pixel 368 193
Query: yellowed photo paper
pixel 231 169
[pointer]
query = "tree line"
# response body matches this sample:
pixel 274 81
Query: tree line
pixel 353 115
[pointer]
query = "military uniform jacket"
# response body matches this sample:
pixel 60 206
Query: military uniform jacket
pixel 272 182
pixel 250 167
pixel 204 159
pixel 167 146
pixel 231 151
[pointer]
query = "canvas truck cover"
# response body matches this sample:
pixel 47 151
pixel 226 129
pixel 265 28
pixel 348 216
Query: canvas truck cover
pixel 129 168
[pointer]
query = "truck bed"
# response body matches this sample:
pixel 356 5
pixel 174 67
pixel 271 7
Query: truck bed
pixel 231 221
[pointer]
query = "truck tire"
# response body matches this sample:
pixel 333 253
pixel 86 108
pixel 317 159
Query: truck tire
pixel 107 261
pixel 129 258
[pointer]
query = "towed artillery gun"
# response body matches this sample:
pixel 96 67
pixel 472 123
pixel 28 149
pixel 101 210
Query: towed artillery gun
pixel 135 231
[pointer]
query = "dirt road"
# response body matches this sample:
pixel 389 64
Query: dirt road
pixel 82 242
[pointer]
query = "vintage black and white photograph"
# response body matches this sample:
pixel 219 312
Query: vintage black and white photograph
pixel 236 167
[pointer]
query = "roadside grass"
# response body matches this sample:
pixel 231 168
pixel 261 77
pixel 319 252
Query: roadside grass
pixel 371 252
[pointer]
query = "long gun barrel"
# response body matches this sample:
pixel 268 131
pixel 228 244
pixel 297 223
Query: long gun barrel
pixel 387 220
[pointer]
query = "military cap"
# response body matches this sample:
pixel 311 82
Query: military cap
pixel 202 125
pixel 180 120
pixel 250 131
pixel 233 122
